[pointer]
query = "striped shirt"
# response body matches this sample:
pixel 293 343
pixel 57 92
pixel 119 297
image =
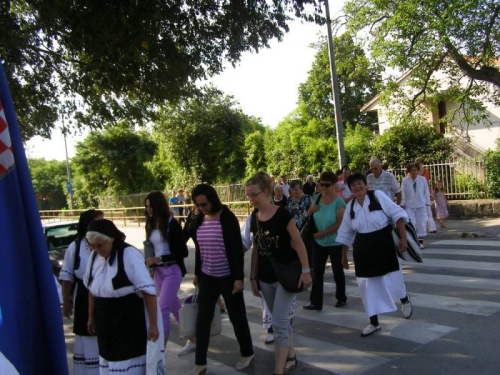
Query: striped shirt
pixel 386 182
pixel 212 251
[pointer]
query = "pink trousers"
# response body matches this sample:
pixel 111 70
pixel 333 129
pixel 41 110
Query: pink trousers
pixel 168 281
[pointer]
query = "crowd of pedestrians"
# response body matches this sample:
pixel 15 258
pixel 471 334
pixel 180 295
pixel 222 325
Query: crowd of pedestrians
pixel 121 299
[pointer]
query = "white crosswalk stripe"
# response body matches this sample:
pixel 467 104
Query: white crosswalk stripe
pixel 482 253
pixel 466 242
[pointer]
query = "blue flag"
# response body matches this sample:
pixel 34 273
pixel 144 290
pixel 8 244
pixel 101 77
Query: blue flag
pixel 31 334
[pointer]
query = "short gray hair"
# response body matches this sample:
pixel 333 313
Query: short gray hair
pixel 92 236
pixel 375 160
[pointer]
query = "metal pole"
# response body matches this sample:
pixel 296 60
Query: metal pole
pixel 335 90
pixel 70 187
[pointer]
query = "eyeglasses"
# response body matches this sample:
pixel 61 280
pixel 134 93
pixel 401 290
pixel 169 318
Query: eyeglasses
pixel 202 205
pixel 325 184
pixel 254 195
pixel 98 246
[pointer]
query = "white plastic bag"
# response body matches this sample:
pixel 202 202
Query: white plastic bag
pixel 188 315
pixel 155 358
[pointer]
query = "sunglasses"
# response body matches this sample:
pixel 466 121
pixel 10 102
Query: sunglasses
pixel 202 205
pixel 325 184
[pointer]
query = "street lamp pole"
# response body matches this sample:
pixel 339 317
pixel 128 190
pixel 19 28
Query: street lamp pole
pixel 335 90
pixel 68 182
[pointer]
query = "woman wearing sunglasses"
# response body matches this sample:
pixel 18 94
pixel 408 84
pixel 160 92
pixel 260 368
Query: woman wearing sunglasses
pixel 218 270
pixel 327 216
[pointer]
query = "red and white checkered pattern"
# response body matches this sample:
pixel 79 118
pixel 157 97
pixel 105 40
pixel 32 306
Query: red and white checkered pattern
pixel 6 152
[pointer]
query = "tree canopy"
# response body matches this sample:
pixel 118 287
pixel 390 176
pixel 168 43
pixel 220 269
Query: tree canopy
pixel 49 181
pixel 202 140
pixel 358 79
pixel 123 58
pixel 459 38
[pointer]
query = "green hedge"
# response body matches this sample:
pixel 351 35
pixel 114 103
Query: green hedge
pixel 492 163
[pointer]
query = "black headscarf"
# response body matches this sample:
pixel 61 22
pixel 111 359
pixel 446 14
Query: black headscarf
pixel 85 219
pixel 108 228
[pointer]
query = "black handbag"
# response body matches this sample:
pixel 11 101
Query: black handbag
pixel 288 275
pixel 309 228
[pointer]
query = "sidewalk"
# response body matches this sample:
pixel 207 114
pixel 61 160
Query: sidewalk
pixel 486 228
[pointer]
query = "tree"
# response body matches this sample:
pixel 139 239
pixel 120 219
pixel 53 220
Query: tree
pixel 357 143
pixel 113 162
pixel 49 181
pixel 456 37
pixel 124 58
pixel 403 143
pixel 358 81
pixel 256 153
pixel 202 140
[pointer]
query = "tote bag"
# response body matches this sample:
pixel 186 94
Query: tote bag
pixel 188 316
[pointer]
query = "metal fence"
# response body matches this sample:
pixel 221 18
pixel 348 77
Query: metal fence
pixel 462 178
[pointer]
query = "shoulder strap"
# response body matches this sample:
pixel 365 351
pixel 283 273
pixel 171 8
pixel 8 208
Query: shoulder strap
pixel 76 264
pixel 92 260
pixel 373 206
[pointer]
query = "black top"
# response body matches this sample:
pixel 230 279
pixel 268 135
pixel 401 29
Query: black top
pixel 232 242
pixel 177 244
pixel 309 189
pixel 281 203
pixel 272 232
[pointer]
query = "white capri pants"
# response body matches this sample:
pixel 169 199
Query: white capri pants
pixel 279 302
pixel 418 216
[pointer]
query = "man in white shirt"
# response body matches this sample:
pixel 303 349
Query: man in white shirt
pixel 286 186
pixel 384 181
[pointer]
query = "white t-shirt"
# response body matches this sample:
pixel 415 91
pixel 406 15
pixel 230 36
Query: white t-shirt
pixel 161 247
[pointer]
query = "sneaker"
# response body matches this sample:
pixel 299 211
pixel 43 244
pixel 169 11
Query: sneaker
pixel 369 330
pixel 269 339
pixel 407 309
pixel 188 348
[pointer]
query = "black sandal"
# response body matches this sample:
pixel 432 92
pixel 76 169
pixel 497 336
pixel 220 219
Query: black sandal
pixel 289 367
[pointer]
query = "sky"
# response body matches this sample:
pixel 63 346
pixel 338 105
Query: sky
pixel 265 83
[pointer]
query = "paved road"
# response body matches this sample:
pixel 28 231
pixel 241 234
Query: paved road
pixel 454 328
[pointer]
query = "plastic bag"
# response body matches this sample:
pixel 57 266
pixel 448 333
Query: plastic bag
pixel 155 359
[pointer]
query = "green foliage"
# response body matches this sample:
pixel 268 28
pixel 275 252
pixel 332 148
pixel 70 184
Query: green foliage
pixel 123 58
pixel 49 182
pixel 456 37
pixel 113 162
pixel 203 140
pixel 492 164
pixel 358 80
pixel 256 153
pixel 299 146
pixel 403 143
pixel 357 145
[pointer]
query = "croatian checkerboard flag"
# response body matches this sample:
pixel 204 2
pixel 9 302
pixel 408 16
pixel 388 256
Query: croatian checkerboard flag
pixel 31 330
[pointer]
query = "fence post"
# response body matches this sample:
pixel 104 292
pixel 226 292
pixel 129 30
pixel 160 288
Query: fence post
pixel 138 218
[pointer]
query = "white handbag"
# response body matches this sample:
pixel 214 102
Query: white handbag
pixel 188 315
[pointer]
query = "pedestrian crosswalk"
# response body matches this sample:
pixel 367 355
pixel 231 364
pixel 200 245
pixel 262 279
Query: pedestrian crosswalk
pixel 328 341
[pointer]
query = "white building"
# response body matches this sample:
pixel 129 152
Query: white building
pixel 472 140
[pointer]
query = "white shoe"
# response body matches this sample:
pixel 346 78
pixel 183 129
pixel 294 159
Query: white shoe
pixel 407 309
pixel 243 365
pixel 369 330
pixel 188 348
pixel 269 339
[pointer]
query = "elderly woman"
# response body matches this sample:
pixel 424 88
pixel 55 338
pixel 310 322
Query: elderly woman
pixel 367 226
pixel 279 197
pixel 298 203
pixel 75 297
pixel 275 237
pixel 416 199
pixel 218 270
pixel 309 186
pixel 122 301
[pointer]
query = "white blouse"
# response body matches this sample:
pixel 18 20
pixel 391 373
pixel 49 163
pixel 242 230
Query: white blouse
pixel 246 234
pixel 67 271
pixel 415 198
pixel 365 221
pixel 136 271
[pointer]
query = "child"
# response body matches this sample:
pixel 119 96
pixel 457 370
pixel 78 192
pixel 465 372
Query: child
pixel 441 203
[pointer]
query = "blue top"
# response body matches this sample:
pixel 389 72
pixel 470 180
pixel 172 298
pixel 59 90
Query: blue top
pixel 325 218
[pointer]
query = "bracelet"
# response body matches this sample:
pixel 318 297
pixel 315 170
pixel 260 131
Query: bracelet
pixel 252 278
pixel 306 270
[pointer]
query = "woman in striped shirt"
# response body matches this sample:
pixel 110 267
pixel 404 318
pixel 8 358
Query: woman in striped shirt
pixel 218 270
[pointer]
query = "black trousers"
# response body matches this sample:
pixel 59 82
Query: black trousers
pixel 209 290
pixel 320 256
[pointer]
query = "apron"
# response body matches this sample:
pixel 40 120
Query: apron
pixel 81 309
pixel 374 253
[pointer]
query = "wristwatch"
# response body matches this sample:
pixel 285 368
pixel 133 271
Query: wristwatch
pixel 306 270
